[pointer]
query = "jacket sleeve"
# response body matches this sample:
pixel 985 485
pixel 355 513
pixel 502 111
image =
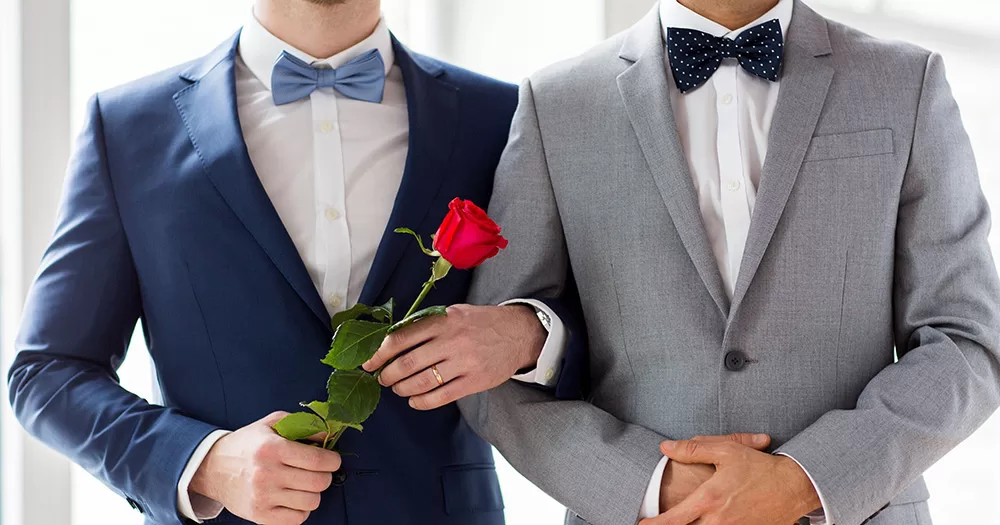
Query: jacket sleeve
pixel 78 320
pixel 946 382
pixel 574 377
pixel 588 460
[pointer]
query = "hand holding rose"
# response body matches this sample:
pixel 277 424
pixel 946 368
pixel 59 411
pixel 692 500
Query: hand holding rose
pixel 466 238
pixel 473 348
pixel 263 478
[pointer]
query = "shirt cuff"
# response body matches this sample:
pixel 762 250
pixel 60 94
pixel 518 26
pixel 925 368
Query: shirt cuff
pixel 818 516
pixel 549 364
pixel 193 506
pixel 651 503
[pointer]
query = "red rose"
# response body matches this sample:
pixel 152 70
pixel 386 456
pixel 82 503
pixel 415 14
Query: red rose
pixel 468 236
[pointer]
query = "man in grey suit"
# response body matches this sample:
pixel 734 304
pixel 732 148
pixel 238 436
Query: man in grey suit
pixel 783 239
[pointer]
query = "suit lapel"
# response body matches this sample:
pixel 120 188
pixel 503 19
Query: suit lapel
pixel 432 106
pixel 208 109
pixel 644 90
pixel 805 80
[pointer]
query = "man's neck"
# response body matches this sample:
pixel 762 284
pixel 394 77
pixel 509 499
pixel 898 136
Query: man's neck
pixel 321 30
pixel 732 14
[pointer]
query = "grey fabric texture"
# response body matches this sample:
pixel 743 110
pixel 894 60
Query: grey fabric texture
pixel 868 242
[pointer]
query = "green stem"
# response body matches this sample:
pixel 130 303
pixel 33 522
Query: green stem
pixel 336 437
pixel 326 437
pixel 420 298
pixel 416 304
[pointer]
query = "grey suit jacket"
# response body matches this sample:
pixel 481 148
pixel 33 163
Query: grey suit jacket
pixel 863 333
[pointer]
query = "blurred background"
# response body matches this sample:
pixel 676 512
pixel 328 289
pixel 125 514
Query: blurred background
pixel 55 53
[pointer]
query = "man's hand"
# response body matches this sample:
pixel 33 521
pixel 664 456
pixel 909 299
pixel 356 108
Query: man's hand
pixel 261 477
pixel 680 480
pixel 749 487
pixel 473 348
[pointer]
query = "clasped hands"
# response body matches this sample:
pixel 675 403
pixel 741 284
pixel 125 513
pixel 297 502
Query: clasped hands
pixel 730 480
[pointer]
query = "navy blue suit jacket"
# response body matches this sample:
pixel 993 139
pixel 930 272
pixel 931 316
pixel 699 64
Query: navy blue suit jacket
pixel 164 220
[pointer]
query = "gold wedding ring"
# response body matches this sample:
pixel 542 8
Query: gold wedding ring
pixel 437 375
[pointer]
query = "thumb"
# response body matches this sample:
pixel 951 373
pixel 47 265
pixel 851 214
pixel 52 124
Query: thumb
pixel 697 451
pixel 754 441
pixel 272 418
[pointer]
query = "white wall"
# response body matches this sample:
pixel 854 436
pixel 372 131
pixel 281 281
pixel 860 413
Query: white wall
pixel 34 147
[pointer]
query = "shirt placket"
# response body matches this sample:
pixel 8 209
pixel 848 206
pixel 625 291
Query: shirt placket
pixel 333 240
pixel 732 180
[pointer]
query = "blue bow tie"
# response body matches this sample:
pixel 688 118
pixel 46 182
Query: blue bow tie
pixel 695 55
pixel 363 78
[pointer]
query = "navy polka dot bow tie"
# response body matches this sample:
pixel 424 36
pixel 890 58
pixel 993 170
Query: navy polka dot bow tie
pixel 695 55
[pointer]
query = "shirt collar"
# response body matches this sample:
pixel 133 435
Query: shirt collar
pixel 259 50
pixel 673 14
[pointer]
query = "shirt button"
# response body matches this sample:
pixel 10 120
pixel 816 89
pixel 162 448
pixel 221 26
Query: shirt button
pixel 326 126
pixel 336 301
pixel 727 99
pixel 332 214
pixel 549 374
pixel 733 185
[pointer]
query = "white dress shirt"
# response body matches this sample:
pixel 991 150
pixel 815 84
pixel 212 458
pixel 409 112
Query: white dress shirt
pixel 723 127
pixel 331 166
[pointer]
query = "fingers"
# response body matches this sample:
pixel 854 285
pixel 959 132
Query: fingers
pixel 317 438
pixel 699 451
pixel 299 500
pixel 400 341
pixel 307 457
pixel 305 480
pixel 690 510
pixel 425 381
pixel 754 441
pixel 286 516
pixel 449 393
pixel 411 363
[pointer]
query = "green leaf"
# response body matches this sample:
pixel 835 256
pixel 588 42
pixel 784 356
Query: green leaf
pixel 320 408
pixel 300 425
pixel 418 315
pixel 384 313
pixel 354 394
pixel 350 314
pixel 338 425
pixel 420 241
pixel 354 343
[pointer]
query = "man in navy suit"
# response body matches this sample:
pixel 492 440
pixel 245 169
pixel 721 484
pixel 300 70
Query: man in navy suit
pixel 233 204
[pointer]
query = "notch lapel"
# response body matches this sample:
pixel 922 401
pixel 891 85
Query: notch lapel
pixel 644 89
pixel 805 81
pixel 208 110
pixel 432 107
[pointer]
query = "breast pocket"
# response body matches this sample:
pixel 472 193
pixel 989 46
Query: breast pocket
pixel 850 145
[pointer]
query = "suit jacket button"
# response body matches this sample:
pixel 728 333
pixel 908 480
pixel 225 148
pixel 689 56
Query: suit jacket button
pixel 736 361
pixel 339 478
